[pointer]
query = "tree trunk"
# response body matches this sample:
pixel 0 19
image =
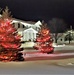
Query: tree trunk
pixel 69 37
pixel 56 37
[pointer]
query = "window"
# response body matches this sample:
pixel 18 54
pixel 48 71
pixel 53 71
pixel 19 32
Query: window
pixel 61 39
pixel 18 25
pixel 23 26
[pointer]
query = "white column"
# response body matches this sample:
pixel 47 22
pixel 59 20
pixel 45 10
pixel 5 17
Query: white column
pixel 35 35
pixel 32 36
pixel 16 25
pixel 24 36
pixel 27 36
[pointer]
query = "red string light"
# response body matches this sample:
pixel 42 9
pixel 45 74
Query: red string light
pixel 9 42
pixel 44 41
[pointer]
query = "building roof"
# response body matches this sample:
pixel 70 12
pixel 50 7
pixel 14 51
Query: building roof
pixel 31 30
pixel 27 22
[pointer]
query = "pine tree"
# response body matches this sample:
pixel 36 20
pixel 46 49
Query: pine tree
pixel 6 14
pixel 9 39
pixel 44 40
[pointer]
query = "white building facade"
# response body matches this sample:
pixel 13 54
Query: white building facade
pixel 29 35
pixel 28 31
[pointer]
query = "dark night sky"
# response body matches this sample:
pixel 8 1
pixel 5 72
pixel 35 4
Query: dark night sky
pixel 41 9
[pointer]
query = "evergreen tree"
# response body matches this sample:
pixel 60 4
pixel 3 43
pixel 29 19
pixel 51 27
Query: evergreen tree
pixel 44 40
pixel 9 39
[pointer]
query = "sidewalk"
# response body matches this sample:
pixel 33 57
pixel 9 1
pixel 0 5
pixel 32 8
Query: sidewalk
pixel 44 56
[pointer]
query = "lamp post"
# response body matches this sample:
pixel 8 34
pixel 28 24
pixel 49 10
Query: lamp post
pixel 70 34
pixel 69 37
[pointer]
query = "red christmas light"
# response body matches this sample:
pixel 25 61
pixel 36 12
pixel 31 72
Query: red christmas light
pixel 44 41
pixel 9 41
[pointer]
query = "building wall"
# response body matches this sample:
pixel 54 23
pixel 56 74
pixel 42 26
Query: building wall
pixel 61 38
pixel 28 36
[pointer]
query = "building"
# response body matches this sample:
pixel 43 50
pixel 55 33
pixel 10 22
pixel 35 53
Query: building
pixel 29 34
pixel 64 38
pixel 27 29
pixel 18 24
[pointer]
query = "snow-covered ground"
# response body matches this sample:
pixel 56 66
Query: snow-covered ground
pixel 56 47
pixel 64 47
pixel 28 45
pixel 48 67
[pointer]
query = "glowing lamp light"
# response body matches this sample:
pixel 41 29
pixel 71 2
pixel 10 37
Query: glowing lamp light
pixel 45 32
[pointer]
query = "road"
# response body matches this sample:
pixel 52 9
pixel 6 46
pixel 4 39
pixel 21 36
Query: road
pixel 45 67
pixel 62 66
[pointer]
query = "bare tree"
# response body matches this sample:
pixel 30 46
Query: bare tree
pixel 57 26
pixel 0 10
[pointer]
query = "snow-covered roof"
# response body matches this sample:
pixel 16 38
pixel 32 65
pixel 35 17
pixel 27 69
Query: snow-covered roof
pixel 26 23
pixel 15 21
pixel 37 24
pixel 31 30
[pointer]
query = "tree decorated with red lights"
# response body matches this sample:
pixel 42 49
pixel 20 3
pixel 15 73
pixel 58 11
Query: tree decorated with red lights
pixel 9 40
pixel 44 40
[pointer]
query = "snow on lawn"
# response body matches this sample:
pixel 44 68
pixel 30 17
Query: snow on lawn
pixel 28 44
